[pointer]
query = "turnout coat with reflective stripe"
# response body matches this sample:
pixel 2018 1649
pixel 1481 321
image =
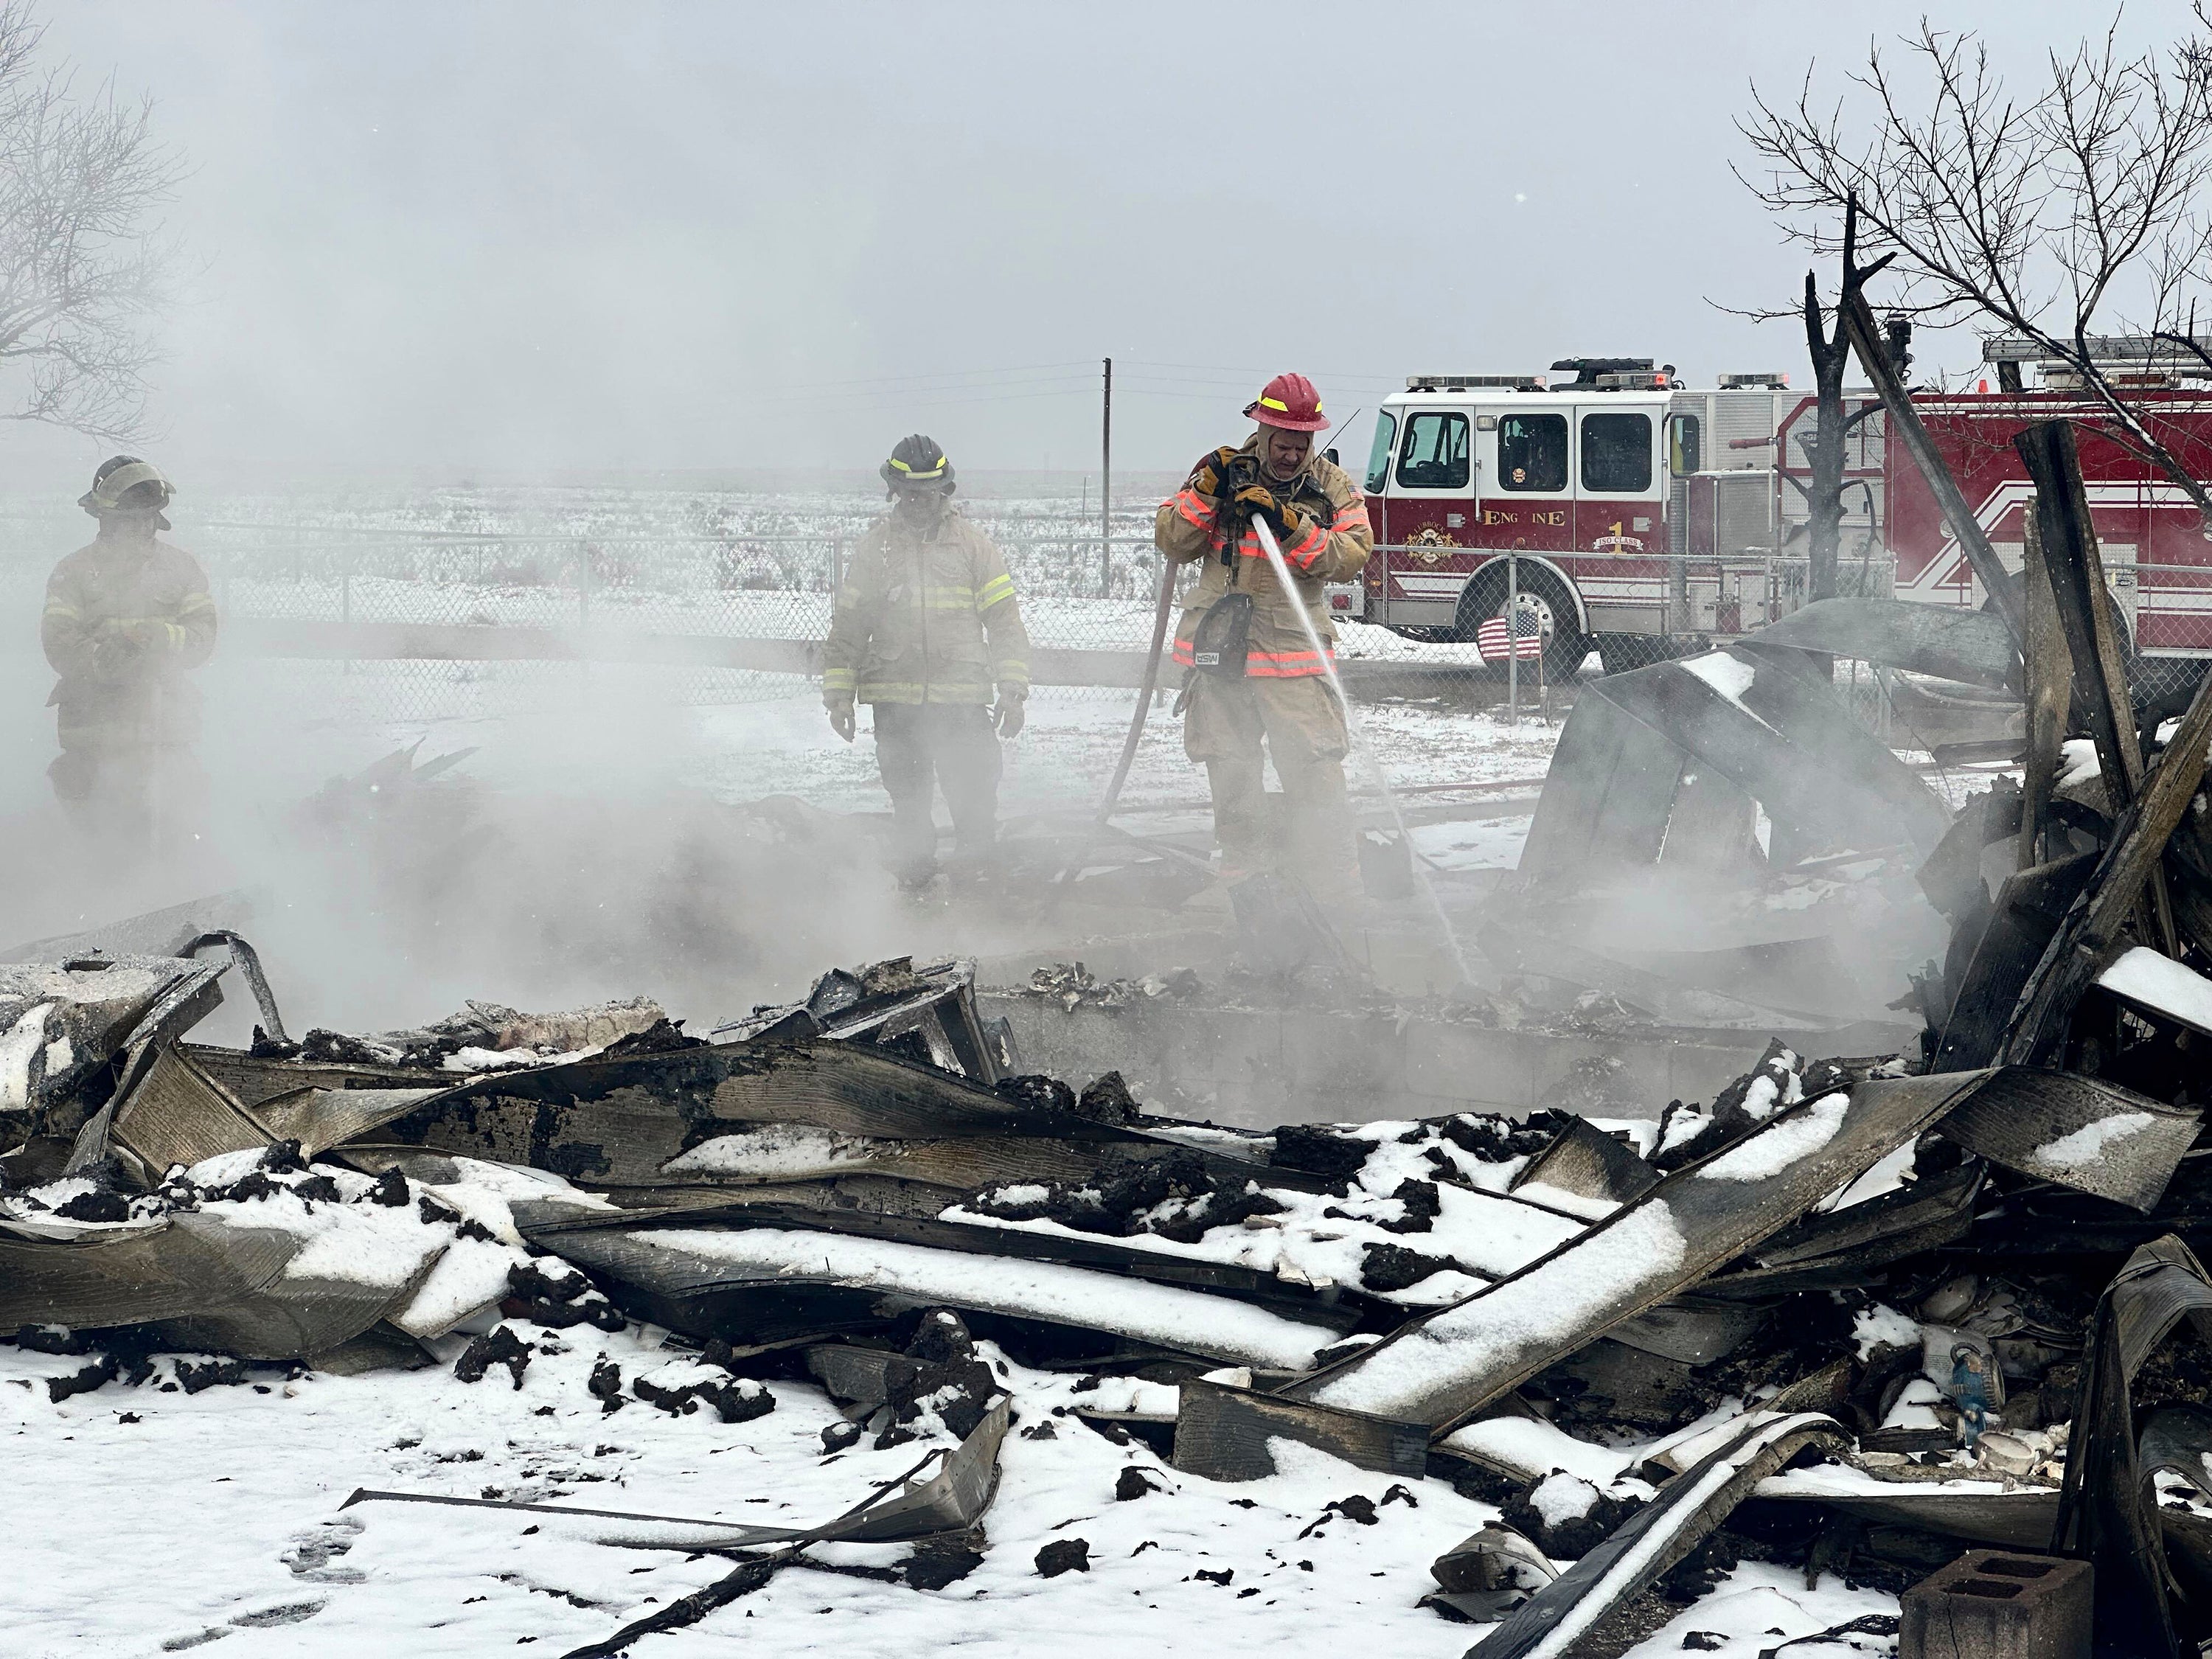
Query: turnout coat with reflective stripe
pixel 926 613
pixel 1329 541
pixel 123 624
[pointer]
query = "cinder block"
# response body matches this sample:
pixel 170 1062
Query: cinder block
pixel 2000 1604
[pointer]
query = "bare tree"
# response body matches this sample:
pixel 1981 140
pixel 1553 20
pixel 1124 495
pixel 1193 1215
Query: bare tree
pixel 2075 211
pixel 83 264
pixel 1831 352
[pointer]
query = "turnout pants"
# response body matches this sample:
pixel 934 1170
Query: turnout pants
pixel 951 744
pixel 1303 727
pixel 128 798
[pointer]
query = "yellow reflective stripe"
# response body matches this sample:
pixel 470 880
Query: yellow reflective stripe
pixel 935 691
pixel 837 679
pixel 197 602
pixel 55 608
pixel 998 588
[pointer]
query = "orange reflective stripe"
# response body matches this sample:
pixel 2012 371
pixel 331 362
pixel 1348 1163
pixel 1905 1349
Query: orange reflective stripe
pixel 1353 518
pixel 1312 548
pixel 1263 664
pixel 1195 507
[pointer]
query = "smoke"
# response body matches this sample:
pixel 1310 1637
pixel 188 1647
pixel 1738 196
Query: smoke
pixel 604 840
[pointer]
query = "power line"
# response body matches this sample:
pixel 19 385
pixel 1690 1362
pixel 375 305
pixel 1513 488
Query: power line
pixel 804 387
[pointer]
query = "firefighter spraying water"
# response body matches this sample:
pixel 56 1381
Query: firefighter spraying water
pixel 1257 669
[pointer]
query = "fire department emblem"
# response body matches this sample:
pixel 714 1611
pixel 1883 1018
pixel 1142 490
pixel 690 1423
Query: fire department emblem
pixel 1617 544
pixel 1430 546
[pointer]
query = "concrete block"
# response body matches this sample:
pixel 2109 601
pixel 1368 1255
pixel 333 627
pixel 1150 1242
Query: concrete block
pixel 1998 1604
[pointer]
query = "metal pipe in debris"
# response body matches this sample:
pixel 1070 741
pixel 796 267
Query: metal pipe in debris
pixel 1327 660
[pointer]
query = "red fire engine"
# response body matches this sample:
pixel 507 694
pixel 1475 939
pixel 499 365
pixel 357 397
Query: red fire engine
pixel 1636 507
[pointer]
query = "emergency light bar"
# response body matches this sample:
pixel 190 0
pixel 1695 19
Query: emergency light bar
pixel 1753 382
pixel 1474 383
pixel 1647 381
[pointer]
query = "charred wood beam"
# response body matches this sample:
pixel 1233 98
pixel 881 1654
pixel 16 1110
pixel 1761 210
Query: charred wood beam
pixel 2045 667
pixel 1958 517
pixel 2090 936
pixel 2075 567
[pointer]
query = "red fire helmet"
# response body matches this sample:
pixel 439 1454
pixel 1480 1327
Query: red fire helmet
pixel 1289 401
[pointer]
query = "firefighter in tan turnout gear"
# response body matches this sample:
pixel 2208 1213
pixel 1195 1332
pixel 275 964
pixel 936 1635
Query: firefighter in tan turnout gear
pixel 1253 675
pixel 925 625
pixel 126 619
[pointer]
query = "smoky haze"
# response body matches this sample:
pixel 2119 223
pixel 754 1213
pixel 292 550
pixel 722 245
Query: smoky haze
pixel 566 236
pixel 431 244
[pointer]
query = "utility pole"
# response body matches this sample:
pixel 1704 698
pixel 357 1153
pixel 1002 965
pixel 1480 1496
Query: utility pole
pixel 1106 488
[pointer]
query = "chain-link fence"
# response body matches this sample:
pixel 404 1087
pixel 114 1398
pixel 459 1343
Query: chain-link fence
pixel 405 623
pixel 445 607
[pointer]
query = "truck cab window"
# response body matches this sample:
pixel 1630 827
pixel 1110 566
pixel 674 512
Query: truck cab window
pixel 1532 452
pixel 1684 448
pixel 1434 454
pixel 1378 458
pixel 1616 453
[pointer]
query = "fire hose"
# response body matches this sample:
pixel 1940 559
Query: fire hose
pixel 1149 684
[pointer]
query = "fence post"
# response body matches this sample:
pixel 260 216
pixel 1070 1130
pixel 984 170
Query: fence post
pixel 583 583
pixel 345 602
pixel 836 567
pixel 1513 638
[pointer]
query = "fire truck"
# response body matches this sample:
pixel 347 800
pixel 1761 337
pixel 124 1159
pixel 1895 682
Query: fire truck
pixel 1643 518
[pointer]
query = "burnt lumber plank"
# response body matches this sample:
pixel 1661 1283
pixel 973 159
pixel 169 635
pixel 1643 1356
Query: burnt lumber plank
pixel 1444 1367
pixel 2030 907
pixel 1222 1433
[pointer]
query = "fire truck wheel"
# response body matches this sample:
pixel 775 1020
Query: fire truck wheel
pixel 1484 597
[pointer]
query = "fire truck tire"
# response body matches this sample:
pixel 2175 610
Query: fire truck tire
pixel 1484 597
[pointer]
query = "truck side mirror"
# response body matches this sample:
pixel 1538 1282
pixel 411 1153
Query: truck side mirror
pixel 1333 458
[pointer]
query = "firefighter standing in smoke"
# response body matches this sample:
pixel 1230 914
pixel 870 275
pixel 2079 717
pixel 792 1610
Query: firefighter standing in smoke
pixel 924 623
pixel 1252 674
pixel 126 618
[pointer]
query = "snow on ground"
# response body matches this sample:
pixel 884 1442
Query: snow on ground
pixel 147 1521
pixel 1759 1607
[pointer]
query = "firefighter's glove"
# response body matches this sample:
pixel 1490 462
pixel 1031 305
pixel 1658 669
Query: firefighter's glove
pixel 1258 502
pixel 1010 715
pixel 1209 477
pixel 841 716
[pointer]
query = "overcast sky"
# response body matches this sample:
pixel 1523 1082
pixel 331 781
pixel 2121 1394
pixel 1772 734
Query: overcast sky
pixel 466 237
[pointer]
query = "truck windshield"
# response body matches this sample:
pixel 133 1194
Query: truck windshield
pixel 1378 458
pixel 1617 453
pixel 1434 456
pixel 1532 452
